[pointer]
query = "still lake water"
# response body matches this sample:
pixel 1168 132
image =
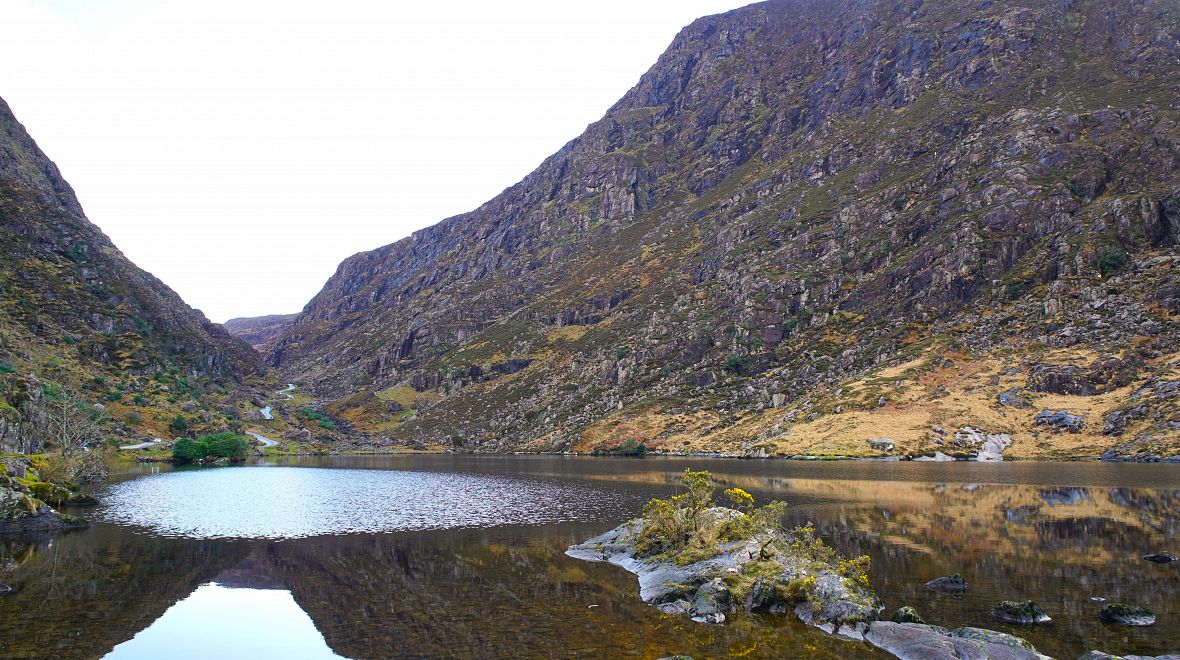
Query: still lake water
pixel 459 556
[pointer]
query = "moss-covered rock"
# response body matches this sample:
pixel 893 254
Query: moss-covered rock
pixel 1126 615
pixel 706 561
pixel 21 511
pixel 1023 612
pixel 906 614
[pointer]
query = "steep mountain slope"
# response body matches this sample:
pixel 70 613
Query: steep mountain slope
pixel 76 312
pixel 877 216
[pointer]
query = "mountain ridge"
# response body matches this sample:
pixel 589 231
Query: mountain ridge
pixel 792 197
pixel 77 314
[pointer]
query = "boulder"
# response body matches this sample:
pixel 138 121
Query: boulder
pixel 906 614
pixel 1126 615
pixel 1060 419
pixel 1024 612
pixel 1015 398
pixel 882 444
pixel 993 637
pixel 914 641
pixel 21 512
pixel 948 584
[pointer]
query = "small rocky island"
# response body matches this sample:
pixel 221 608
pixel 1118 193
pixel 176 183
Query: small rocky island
pixel 706 561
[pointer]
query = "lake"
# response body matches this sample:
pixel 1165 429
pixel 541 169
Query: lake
pixel 462 556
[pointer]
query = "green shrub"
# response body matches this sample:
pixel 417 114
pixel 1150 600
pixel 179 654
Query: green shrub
pixel 321 420
pixel 227 445
pixel 6 368
pixel 632 447
pixel 736 363
pixel 178 424
pixel 1111 260
pixel 679 529
pixel 187 450
pixel 219 445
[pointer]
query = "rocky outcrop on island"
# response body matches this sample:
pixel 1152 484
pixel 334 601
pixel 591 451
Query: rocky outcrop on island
pixel 707 562
pixel 808 226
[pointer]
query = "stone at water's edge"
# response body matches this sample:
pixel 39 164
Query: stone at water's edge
pixel 1126 615
pixel 915 641
pixel 20 512
pixel 906 614
pixel 1020 612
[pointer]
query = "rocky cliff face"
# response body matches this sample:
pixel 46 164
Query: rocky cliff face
pixel 894 212
pixel 77 312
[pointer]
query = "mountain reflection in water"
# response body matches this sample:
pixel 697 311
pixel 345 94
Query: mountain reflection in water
pixel 507 590
pixel 232 619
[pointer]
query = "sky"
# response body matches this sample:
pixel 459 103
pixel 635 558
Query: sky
pixel 239 150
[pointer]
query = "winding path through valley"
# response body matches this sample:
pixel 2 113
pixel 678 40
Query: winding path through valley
pixel 143 445
pixel 266 442
pixel 267 413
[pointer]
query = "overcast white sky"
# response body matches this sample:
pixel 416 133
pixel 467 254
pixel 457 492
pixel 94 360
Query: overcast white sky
pixel 239 150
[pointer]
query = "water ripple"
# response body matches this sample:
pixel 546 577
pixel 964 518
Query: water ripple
pixel 285 502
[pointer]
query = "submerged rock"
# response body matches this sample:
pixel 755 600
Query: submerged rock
pixel 906 614
pixel 915 641
pixel 1160 558
pixel 948 584
pixel 1126 615
pixel 1024 612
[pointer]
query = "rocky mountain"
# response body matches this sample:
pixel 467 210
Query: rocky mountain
pixel 76 314
pixel 834 227
pixel 259 331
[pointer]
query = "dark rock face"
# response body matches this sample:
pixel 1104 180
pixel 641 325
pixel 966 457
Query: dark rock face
pixel 1160 558
pixel 790 192
pixel 1061 419
pixel 1102 377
